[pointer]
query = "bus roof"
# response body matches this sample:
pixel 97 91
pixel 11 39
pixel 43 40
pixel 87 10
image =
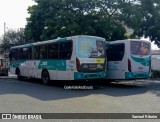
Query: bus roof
pixel 126 40
pixel 53 40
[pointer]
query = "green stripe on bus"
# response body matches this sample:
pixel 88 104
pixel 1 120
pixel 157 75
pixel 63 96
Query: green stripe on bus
pixel 143 61
pixel 136 75
pixel 81 75
pixel 62 39
pixel 17 63
pixel 21 46
pixel 52 65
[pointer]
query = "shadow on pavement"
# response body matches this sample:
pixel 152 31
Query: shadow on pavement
pixel 34 88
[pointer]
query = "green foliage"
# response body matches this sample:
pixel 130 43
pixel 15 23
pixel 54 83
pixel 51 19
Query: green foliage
pixel 143 16
pixel 59 18
pixel 13 37
pixel 106 18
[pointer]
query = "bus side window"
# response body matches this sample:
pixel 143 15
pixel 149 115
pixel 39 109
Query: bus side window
pixel 35 52
pixel 11 55
pixel 26 53
pixel 53 51
pixel 115 52
pixel 19 54
pixel 65 50
pixel 43 52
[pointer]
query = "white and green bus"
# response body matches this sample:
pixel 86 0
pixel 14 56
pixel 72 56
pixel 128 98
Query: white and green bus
pixel 128 59
pixel 71 58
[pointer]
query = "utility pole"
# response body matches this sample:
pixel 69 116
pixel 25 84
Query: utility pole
pixel 4 45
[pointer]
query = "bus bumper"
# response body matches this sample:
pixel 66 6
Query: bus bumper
pixel 137 75
pixel 84 76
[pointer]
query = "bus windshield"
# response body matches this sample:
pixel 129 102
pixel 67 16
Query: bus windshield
pixel 90 47
pixel 140 48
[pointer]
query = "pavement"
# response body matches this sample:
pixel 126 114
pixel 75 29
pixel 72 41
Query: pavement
pixel 29 96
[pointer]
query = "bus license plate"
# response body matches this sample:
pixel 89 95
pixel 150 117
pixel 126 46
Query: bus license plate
pixel 92 67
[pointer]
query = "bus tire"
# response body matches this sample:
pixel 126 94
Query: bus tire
pixel 19 75
pixel 45 77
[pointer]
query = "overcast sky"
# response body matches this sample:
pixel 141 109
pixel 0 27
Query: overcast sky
pixel 154 46
pixel 13 13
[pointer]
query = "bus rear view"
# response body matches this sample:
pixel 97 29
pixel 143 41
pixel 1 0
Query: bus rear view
pixel 139 63
pixel 90 57
pixel 128 59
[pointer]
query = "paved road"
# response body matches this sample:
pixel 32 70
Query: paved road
pixel 31 96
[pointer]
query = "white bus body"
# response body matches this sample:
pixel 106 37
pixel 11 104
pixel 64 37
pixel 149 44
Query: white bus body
pixel 128 59
pixel 70 58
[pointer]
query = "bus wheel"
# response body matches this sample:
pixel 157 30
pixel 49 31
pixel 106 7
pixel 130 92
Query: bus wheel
pixel 45 78
pixel 19 75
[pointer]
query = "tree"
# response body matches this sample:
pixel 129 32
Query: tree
pixel 60 18
pixel 143 16
pixel 106 18
pixel 13 37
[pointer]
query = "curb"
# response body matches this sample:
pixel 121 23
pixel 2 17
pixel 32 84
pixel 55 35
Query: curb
pixel 154 78
pixel 8 77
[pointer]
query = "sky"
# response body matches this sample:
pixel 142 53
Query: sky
pixel 13 13
pixel 153 46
